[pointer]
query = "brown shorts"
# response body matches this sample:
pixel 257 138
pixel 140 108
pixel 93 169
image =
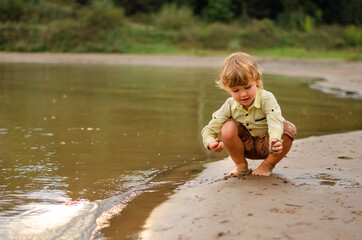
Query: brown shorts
pixel 256 147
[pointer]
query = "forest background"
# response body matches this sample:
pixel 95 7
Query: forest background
pixel 295 28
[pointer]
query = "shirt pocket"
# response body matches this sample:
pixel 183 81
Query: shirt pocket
pixel 260 119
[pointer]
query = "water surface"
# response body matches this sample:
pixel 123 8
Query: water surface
pixel 88 150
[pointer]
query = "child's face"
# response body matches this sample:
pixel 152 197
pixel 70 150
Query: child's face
pixel 245 94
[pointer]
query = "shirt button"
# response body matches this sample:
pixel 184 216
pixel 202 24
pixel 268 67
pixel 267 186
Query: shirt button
pixel 246 114
pixel 247 124
pixel 250 130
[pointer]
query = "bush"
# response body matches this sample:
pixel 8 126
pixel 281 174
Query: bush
pixel 42 11
pixel 263 34
pixel 219 36
pixel 20 37
pixel 353 35
pixel 170 17
pixel 215 36
pixel 290 21
pixel 11 10
pixel 65 35
pixel 102 14
pixel 307 23
pixel 296 21
pixel 33 11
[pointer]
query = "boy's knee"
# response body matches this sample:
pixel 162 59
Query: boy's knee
pixel 289 130
pixel 287 138
pixel 229 130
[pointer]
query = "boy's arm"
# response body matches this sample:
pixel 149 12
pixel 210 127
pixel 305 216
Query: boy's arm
pixel 211 131
pixel 274 116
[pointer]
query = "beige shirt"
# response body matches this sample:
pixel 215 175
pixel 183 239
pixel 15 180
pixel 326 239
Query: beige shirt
pixel 263 116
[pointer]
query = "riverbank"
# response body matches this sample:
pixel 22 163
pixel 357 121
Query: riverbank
pixel 314 193
pixel 341 77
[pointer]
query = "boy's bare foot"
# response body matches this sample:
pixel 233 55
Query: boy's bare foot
pixel 239 169
pixel 265 169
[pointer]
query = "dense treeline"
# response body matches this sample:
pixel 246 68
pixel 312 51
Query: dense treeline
pixel 168 25
pixel 322 11
pixel 325 11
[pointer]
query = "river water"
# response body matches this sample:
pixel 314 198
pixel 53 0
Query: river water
pixel 86 151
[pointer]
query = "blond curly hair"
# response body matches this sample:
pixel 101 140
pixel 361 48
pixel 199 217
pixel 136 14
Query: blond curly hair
pixel 238 69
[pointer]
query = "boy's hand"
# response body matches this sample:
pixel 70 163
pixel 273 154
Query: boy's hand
pixel 275 146
pixel 216 145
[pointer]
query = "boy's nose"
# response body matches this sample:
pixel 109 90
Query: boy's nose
pixel 243 94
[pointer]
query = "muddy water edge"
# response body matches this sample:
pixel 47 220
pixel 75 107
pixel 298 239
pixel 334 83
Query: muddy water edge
pixel 119 139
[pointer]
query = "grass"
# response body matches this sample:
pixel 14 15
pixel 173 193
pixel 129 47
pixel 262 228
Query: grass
pixel 347 54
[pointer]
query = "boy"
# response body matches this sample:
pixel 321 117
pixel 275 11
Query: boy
pixel 250 121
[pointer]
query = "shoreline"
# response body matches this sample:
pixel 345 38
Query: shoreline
pixel 314 193
pixel 316 198
pixel 340 77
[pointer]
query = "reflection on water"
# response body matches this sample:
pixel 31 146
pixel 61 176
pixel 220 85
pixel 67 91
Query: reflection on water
pixel 78 141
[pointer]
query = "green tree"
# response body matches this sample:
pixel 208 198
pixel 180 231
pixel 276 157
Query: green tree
pixel 341 11
pixel 219 10
pixel 140 6
pixel 257 8
pixel 12 10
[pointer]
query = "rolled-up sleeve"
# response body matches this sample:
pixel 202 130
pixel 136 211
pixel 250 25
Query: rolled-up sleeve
pixel 212 130
pixel 273 115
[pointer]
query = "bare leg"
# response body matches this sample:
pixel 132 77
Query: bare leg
pixel 234 146
pixel 266 167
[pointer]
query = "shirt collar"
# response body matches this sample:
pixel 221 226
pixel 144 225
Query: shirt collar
pixel 256 103
pixel 257 100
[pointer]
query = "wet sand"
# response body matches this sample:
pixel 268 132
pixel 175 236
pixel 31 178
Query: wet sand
pixel 314 193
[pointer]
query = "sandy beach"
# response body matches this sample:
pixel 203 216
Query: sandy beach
pixel 314 193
